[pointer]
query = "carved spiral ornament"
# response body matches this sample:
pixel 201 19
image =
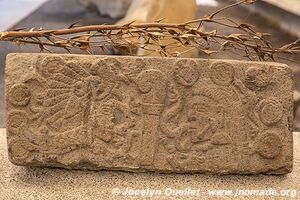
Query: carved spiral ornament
pixel 268 144
pixel 222 73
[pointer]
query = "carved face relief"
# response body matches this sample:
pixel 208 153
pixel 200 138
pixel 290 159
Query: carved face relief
pixel 139 114
pixel 205 114
pixel 104 122
pixel 200 109
pixel 257 78
pixel 205 117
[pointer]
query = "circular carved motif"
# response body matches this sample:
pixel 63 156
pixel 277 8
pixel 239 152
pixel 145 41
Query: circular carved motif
pixel 152 84
pixel 270 111
pixel 17 121
pixel 17 149
pixel 51 65
pixel 268 144
pixel 222 73
pixel 257 78
pixel 19 95
pixel 186 73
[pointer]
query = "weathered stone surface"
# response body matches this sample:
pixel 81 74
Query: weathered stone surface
pixel 296 101
pixel 50 183
pixel 149 114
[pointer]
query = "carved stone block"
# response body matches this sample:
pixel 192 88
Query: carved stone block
pixel 149 114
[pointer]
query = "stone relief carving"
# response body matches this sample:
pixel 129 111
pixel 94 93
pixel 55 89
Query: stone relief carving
pixel 222 73
pixel 110 114
pixel 186 72
pixel 152 86
pixel 77 109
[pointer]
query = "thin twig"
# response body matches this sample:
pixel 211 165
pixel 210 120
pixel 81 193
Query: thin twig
pixel 162 38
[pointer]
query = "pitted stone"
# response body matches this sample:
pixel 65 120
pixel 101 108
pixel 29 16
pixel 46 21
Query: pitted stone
pixel 149 114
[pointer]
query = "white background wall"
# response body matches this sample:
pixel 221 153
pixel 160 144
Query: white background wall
pixel 12 11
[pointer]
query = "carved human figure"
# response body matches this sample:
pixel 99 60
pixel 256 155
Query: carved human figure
pixel 201 128
pixel 81 104
pixel 113 131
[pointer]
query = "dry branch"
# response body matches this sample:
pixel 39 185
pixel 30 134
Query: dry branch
pixel 152 36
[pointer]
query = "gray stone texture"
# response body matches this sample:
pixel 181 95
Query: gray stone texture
pixel 112 8
pixel 149 114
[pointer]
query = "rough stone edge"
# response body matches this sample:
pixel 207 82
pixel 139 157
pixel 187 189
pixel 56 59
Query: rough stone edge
pixel 285 170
